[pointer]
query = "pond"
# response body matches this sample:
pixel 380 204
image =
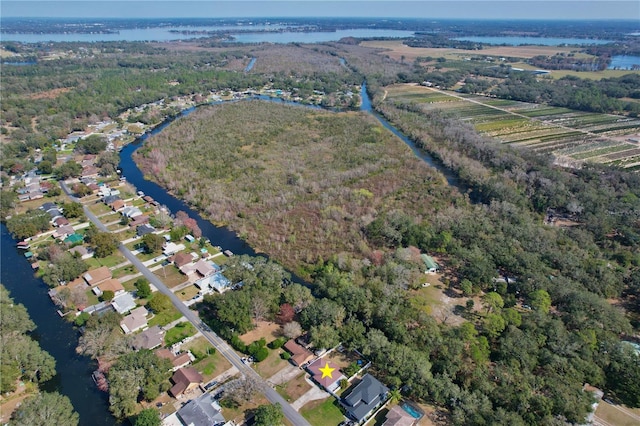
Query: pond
pixel 624 62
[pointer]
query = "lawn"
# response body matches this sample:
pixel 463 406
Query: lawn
pixel 99 208
pixel 187 292
pixel 323 413
pixel 212 366
pixel 125 270
pixel 181 331
pixel 110 261
pixel 294 389
pixel 615 416
pixel 271 365
pixel 170 275
pixel 165 317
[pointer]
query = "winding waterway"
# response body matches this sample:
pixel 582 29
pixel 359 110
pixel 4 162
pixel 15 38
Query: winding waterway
pixel 56 336
pixel 59 338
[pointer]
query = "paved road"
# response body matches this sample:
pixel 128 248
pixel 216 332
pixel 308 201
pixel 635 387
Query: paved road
pixel 273 396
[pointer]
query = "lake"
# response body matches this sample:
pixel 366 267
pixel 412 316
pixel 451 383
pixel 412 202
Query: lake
pixel 166 34
pixel 318 36
pixel 542 41
pixel 624 62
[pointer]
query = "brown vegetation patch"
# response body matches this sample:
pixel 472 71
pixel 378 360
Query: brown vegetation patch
pixel 269 330
pixel 49 94
pixel 310 183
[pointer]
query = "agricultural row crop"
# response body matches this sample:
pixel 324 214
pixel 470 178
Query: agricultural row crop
pixel 578 135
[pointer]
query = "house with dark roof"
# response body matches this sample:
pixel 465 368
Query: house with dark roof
pixel 201 411
pixel 145 229
pixel 299 354
pixel 184 380
pixel 109 199
pixel 368 394
pixel 48 206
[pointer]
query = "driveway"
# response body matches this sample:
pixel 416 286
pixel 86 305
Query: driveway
pixel 289 372
pixel 313 394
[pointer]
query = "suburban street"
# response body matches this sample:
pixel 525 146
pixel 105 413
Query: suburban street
pixel 274 397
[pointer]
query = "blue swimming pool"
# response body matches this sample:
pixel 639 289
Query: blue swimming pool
pixel 411 410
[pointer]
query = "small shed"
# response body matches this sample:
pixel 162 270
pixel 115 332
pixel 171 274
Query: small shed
pixel 431 267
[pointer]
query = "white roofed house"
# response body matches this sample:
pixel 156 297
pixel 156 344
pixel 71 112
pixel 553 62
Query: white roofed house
pixel 131 212
pixel 172 248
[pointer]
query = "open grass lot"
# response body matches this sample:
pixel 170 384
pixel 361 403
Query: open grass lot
pixel 180 331
pixel 199 344
pixel 572 136
pixel 170 275
pixel 617 415
pixel 271 365
pixel 165 317
pixel 294 389
pixel 323 413
pixel 99 208
pixel 110 261
pixel 124 271
pixel 187 292
pixel 397 50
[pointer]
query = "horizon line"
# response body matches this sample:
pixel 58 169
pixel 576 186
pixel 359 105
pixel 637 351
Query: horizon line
pixel 379 18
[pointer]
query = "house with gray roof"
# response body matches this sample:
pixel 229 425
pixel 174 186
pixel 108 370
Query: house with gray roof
pixel 201 411
pixel 364 398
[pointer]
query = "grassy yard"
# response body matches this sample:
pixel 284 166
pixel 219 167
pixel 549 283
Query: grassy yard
pixel 130 285
pixel 179 332
pixel 187 293
pixel 125 270
pixel 165 317
pixel 110 261
pixel 323 413
pixel 170 275
pixel 92 299
pixel 294 389
pixel 99 208
pixel 612 415
pixel 271 365
pixel 212 366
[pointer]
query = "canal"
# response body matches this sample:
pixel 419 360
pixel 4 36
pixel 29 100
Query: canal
pixel 56 336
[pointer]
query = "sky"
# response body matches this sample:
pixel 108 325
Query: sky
pixel 436 9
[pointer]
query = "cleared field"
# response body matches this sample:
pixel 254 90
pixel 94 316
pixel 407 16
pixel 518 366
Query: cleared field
pixel 572 136
pixel 397 50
